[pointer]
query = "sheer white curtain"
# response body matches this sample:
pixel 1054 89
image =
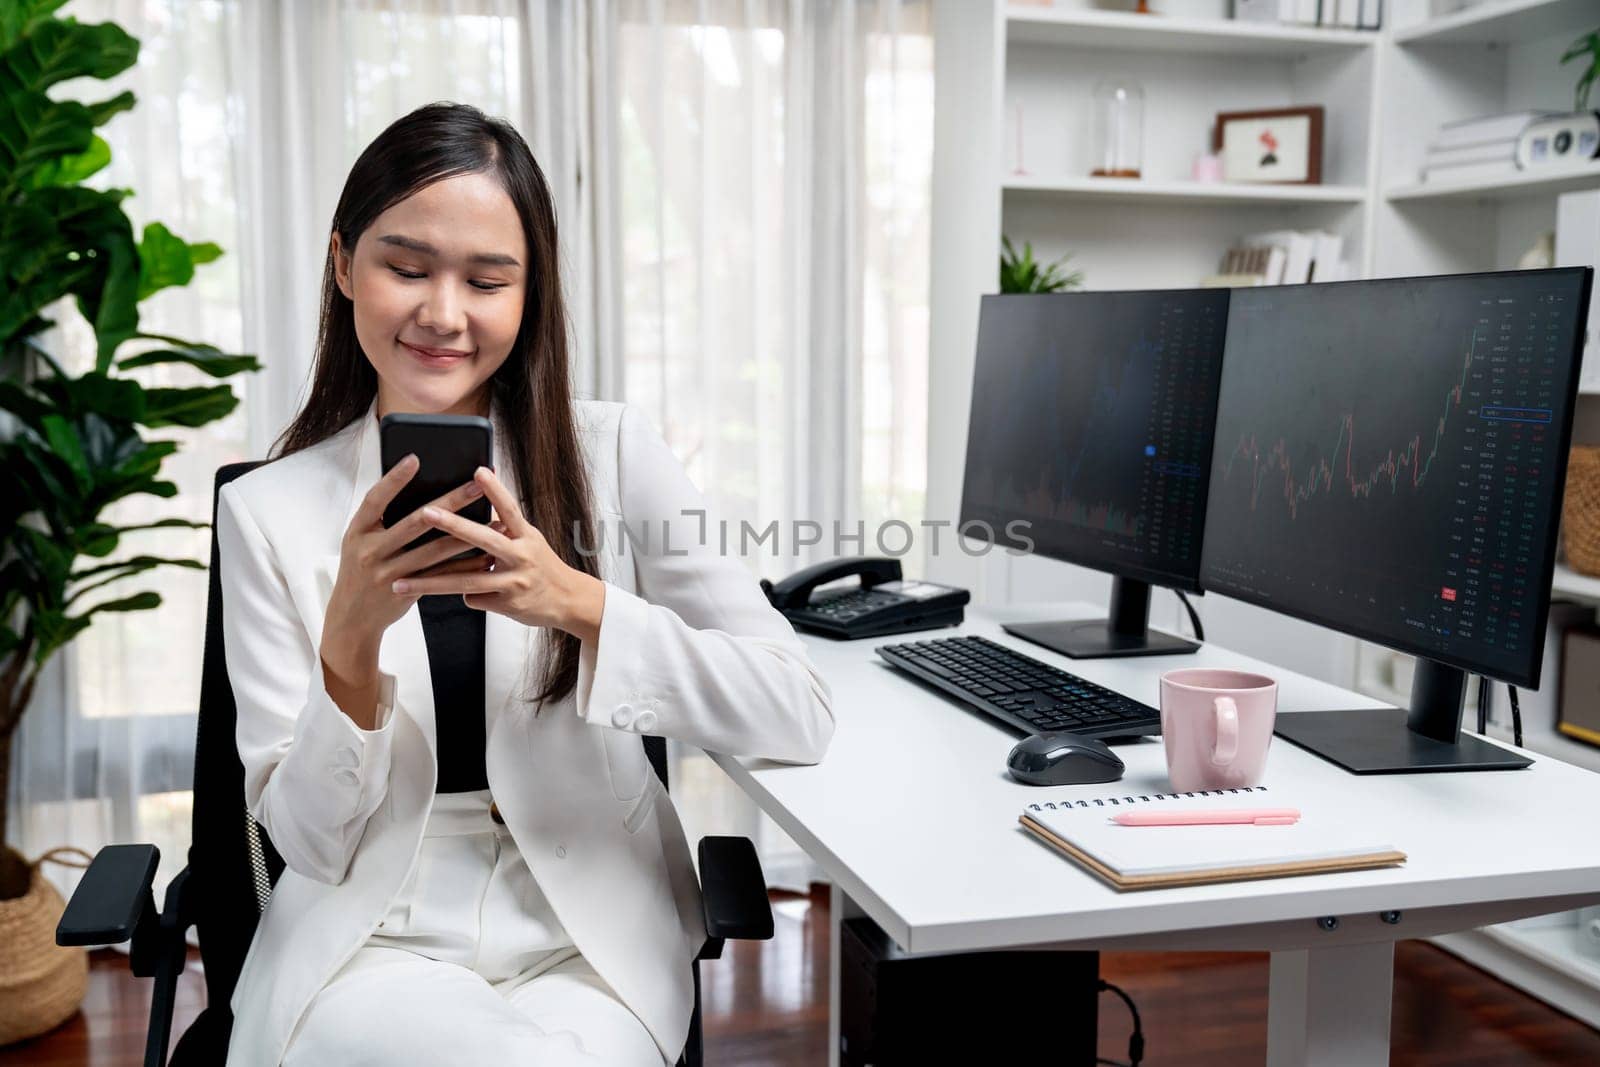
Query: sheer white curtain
pixel 774 167
pixel 743 190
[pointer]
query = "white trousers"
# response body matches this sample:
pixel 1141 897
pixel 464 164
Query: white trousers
pixel 469 966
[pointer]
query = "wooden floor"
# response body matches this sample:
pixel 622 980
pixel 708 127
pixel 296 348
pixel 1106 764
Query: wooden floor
pixel 766 1006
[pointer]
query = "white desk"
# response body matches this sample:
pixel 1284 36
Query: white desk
pixel 914 819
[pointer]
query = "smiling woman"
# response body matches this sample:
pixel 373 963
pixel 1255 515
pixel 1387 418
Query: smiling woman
pixel 477 871
pixel 435 312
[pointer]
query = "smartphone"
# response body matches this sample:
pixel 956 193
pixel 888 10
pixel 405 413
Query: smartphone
pixel 449 449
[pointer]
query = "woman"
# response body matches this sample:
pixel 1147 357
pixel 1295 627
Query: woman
pixel 478 871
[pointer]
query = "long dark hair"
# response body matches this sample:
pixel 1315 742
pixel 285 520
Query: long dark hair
pixel 531 389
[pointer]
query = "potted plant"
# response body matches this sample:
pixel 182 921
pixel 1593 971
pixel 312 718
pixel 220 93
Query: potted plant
pixel 71 446
pixel 1586 46
pixel 1021 274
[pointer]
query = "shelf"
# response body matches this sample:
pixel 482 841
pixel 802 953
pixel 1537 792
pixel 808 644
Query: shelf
pixel 1164 33
pixel 1545 961
pixel 1503 22
pixel 1559 947
pixel 1569 583
pixel 1183 192
pixel 1516 184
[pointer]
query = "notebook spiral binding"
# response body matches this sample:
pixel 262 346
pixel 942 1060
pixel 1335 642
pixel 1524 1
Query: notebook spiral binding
pixel 1102 802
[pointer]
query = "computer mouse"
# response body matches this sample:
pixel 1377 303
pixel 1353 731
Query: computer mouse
pixel 1063 759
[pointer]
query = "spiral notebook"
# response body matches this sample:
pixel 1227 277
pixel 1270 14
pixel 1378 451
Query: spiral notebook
pixel 1153 857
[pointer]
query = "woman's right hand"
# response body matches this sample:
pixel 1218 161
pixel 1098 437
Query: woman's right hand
pixel 371 557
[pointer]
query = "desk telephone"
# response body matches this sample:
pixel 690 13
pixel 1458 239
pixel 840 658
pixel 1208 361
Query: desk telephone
pixel 883 603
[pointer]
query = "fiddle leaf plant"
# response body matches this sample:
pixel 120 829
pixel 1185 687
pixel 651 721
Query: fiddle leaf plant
pixel 71 446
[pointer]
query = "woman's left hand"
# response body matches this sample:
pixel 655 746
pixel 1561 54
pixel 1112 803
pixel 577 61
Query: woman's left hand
pixel 528 582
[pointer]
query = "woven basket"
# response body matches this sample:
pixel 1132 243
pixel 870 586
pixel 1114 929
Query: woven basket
pixel 41 983
pixel 1580 511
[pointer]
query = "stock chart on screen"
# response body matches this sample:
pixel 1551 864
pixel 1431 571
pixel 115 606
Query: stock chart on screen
pixel 1091 420
pixel 1388 456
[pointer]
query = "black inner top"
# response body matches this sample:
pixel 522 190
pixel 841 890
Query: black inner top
pixel 454 634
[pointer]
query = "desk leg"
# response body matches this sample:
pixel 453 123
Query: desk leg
pixel 1330 1006
pixel 840 908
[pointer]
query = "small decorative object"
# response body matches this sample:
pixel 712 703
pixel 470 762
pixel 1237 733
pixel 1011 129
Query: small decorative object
pixel 1022 274
pixel 1207 168
pixel 1118 129
pixel 1561 140
pixel 1542 254
pixel 1283 145
pixel 1580 510
pixel 1586 46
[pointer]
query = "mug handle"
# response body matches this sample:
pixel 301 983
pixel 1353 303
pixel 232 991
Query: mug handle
pixel 1227 731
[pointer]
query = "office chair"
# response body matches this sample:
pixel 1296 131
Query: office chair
pixel 233 867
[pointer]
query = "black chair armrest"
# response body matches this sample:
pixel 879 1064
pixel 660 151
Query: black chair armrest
pixel 733 890
pixel 113 901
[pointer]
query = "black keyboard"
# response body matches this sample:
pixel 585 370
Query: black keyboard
pixel 1021 691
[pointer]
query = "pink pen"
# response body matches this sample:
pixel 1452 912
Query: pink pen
pixel 1254 817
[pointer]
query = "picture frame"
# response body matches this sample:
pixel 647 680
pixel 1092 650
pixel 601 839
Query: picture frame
pixel 1279 146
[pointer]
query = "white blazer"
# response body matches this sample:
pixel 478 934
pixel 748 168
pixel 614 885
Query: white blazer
pixel 689 648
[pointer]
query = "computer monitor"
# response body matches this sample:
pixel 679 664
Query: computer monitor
pixel 1090 442
pixel 1389 463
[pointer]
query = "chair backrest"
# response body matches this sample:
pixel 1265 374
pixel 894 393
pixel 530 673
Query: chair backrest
pixel 232 864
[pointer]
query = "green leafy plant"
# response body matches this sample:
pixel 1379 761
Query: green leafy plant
pixel 70 446
pixel 1021 274
pixel 1587 45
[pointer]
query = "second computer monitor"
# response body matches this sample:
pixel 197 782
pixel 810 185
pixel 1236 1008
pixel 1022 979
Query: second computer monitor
pixel 1090 442
pixel 1390 461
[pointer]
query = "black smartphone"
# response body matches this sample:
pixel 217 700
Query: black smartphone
pixel 449 449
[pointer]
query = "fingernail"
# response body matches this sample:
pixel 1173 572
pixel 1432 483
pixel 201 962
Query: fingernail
pixel 402 586
pixel 410 460
pixel 474 490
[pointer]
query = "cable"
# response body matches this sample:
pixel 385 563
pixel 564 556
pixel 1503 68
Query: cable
pixel 1194 617
pixel 1516 718
pixel 1136 1041
pixel 1483 705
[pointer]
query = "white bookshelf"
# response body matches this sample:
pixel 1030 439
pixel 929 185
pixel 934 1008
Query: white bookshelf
pixel 1005 70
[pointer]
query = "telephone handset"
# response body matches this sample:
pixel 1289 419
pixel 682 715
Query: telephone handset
pixel 883 603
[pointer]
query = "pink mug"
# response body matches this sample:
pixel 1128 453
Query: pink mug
pixel 1216 726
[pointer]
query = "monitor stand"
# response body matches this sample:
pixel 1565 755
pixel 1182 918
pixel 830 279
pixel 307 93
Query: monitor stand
pixel 1427 737
pixel 1125 633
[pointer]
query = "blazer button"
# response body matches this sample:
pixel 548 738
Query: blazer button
pixel 622 716
pixel 646 721
pixel 346 757
pixel 561 852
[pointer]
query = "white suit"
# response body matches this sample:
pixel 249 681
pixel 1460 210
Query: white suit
pixel 688 648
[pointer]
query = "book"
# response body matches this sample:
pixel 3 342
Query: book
pixel 1155 857
pixel 1298 249
pixel 1487 152
pixel 1486 128
pixel 1327 251
pixel 1470 172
